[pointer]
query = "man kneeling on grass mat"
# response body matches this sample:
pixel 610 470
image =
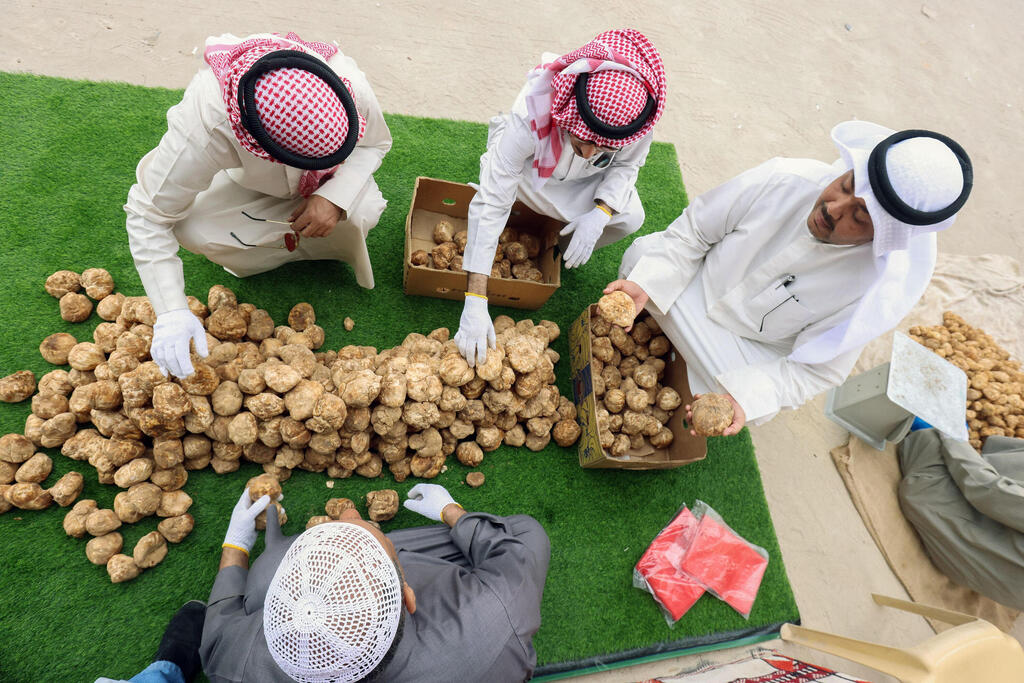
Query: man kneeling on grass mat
pixel 772 283
pixel 268 159
pixel 343 601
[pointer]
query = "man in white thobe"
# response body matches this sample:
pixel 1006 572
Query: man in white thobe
pixel 299 160
pixel 571 148
pixel 771 284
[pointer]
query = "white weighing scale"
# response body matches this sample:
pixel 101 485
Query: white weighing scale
pixel 880 405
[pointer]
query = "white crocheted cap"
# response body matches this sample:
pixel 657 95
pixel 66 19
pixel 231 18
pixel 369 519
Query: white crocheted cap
pixel 333 606
pixel 924 172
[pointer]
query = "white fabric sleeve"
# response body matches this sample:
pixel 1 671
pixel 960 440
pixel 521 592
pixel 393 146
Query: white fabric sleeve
pixel 763 389
pixel 168 179
pixel 620 176
pixel 501 168
pixel 671 258
pixel 348 180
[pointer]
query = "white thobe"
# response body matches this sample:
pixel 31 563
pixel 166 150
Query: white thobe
pixel 737 282
pixel 192 189
pixel 506 174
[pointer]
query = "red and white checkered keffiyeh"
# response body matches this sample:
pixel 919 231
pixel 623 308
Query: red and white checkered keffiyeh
pixel 626 68
pixel 298 110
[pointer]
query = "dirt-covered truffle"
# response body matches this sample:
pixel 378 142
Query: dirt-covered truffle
pixel 443 232
pixel 263 485
pixel 75 307
pixel 301 316
pixel 469 454
pixel 475 479
pixel 712 413
pixel 175 529
pixel 100 549
pixel 34 470
pixel 565 432
pixel 122 568
pixel 54 349
pixel 97 283
pixel 150 550
pixel 617 308
pixel 382 505
pixel 419 258
pixel 18 386
pixel 102 521
pixel 336 506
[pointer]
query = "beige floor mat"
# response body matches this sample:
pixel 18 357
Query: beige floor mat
pixel 988 292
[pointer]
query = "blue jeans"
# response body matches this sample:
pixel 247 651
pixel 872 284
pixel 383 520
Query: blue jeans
pixel 157 672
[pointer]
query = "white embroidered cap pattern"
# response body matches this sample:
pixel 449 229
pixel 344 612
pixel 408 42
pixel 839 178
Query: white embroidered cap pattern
pixel 333 606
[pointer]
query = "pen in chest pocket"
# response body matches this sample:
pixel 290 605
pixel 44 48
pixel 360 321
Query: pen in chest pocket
pixel 785 282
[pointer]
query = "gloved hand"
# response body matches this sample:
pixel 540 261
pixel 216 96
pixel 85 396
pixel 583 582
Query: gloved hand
pixel 585 231
pixel 171 334
pixel 476 331
pixel 428 500
pixel 242 527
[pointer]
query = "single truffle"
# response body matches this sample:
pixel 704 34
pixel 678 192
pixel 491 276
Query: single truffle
pixel 62 282
pixel 28 496
pixel 97 282
pixel 336 506
pixel 565 432
pixel 54 349
pixel 122 568
pixel 617 308
pixel 475 479
pixel 382 505
pixel 712 413
pixel 263 485
pixel 75 307
pixel 443 232
pixel 18 386
pixel 150 550
pixel 301 316
pixel 175 529
pixel 100 549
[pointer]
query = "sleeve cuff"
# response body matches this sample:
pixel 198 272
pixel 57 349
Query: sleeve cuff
pixel 663 291
pixel 754 390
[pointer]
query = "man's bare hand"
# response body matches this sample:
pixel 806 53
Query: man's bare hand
pixel 315 217
pixel 739 418
pixel 638 295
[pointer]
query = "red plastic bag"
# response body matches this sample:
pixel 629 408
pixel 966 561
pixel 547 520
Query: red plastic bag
pixel 726 565
pixel 658 573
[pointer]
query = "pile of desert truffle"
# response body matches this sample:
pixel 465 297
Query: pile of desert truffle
pixel 995 406
pixel 263 395
pixel 516 255
pixel 632 405
pixel 381 506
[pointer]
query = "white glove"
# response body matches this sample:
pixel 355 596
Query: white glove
pixel 476 331
pixel 429 500
pixel 242 527
pixel 585 231
pixel 171 335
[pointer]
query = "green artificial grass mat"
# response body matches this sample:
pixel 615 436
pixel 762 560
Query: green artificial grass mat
pixel 69 151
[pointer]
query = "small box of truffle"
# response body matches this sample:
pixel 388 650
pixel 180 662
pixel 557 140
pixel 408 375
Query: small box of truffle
pixel 630 390
pixel 527 264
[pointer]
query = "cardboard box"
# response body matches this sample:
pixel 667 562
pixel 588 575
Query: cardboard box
pixel 435 200
pixel 684 448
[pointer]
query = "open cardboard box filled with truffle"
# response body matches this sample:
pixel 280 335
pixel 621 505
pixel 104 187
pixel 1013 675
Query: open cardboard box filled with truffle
pixel 436 270
pixel 633 435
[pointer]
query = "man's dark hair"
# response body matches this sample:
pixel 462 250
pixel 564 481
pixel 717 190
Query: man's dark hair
pixel 378 671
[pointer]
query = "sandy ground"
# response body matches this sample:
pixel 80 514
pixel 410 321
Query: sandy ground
pixel 748 80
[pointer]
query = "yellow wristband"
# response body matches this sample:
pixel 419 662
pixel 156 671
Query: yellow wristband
pixel 479 296
pixel 229 545
pixel 603 208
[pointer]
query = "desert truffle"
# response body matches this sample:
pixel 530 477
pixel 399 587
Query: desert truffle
pixel 122 568
pixel 55 348
pixel 100 549
pixel 444 232
pixel 175 529
pixel 469 454
pixel 97 282
pixel 301 316
pixel 348 323
pixel 28 496
pixel 712 413
pixel 475 479
pixel 34 470
pixel 17 387
pixel 62 282
pixel 100 522
pixel 263 485
pixel 150 550
pixel 617 308
pixel 75 307
pixel 74 520
pixel 336 506
pixel 565 432
pixel 419 258
pixel 317 519
pixel 382 505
